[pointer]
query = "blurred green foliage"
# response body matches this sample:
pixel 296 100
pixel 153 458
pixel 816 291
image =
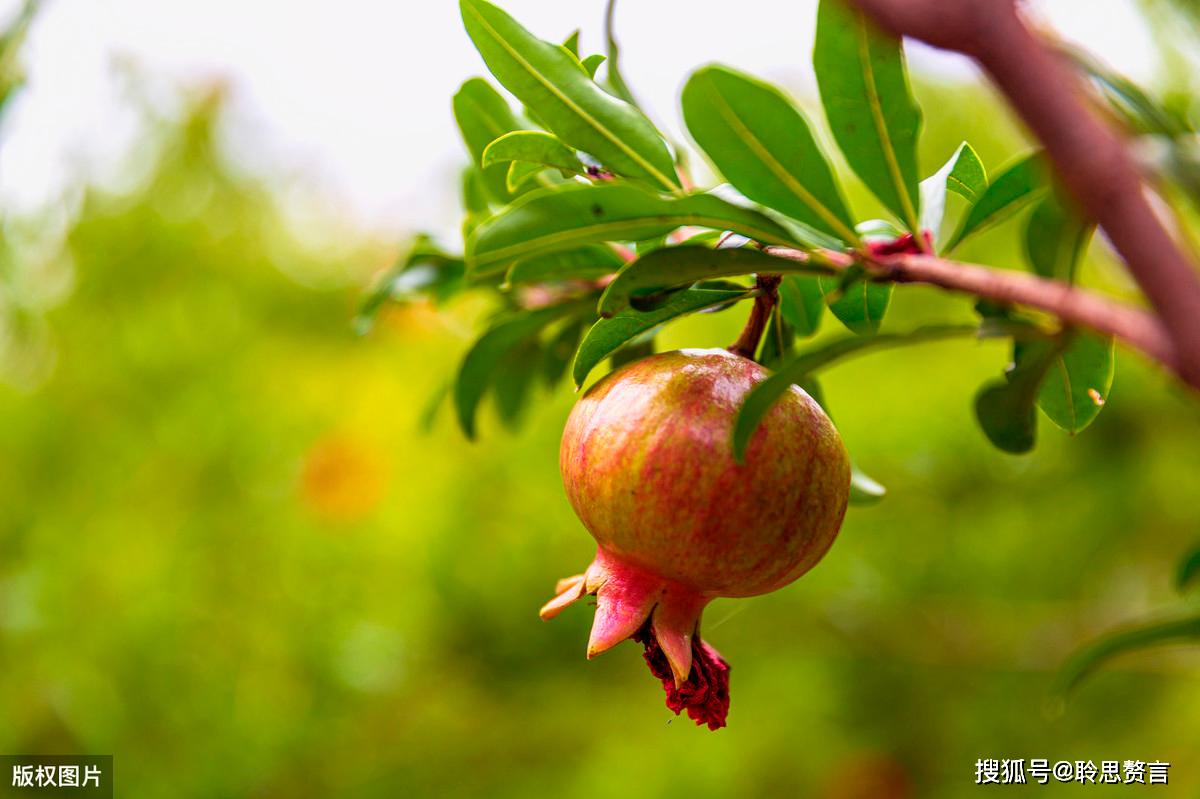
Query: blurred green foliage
pixel 228 557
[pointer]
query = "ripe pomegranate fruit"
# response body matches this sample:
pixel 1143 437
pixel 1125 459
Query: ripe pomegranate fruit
pixel 648 467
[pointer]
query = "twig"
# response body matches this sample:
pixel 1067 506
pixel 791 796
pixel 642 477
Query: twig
pixel 1074 306
pixel 1091 160
pixel 747 343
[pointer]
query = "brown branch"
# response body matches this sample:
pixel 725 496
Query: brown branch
pixel 1089 157
pixel 1073 306
pixel 747 343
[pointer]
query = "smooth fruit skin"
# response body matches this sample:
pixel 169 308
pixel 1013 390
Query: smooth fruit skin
pixel 647 464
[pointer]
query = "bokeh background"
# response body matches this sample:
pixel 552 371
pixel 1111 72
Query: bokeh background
pixel 232 555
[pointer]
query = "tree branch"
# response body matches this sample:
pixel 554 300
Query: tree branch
pixel 1089 157
pixel 1074 306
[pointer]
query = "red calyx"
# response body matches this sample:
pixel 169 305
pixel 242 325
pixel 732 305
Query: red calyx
pixel 705 693
pixel 904 245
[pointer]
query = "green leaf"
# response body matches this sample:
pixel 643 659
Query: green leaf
pixel 607 335
pixel 429 411
pixel 869 104
pixel 589 262
pixel 778 341
pixel 878 230
pixel 860 306
pixel 635 350
pixel 548 79
pixel 572 43
pixel 484 359
pixel 679 266
pixel 520 173
pixel 796 372
pixel 474 193
pixel 707 238
pixel 763 146
pixel 1140 110
pixel 1189 570
pixel 514 380
pixel 1056 237
pixel 802 303
pixel 1005 408
pixel 556 357
pixel 1087 660
pixel 615 81
pixel 535 147
pixel 1077 382
pixel 864 490
pixel 571 215
pixel 963 174
pixel 483 116
pixel 592 63
pixel 1007 417
pixel 1011 191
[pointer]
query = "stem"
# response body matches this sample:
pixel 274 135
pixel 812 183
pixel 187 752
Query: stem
pixel 747 343
pixel 1073 306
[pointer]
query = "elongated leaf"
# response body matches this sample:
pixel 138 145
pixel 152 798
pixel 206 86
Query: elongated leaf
pixel 616 82
pixel 608 335
pixel 1005 409
pixel 1189 570
pixel 1087 660
pixel 520 173
pixel 802 303
pixel 483 116
pixel 679 266
pixel 880 230
pixel 592 261
pixel 534 146
pixel 549 79
pixel 1169 124
pixel 763 146
pixel 486 356
pixel 567 217
pixel 859 306
pixel 778 341
pixel 1012 190
pixel 1007 416
pixel 514 381
pixel 592 63
pixel 636 349
pixel 1143 113
pixel 474 194
pixel 963 174
pixel 572 43
pixel 869 104
pixel 1056 237
pixel 556 357
pixel 433 404
pixel 1077 382
pixel 864 490
pixel 766 393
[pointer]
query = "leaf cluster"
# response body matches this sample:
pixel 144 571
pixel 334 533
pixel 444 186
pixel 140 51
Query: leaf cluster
pixel 582 221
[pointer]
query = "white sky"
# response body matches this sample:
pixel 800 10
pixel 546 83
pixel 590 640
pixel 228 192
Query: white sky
pixel 354 95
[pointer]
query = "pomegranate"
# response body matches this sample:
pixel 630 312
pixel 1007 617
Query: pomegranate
pixel 648 467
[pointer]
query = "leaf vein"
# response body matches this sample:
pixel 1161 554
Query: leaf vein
pixel 876 107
